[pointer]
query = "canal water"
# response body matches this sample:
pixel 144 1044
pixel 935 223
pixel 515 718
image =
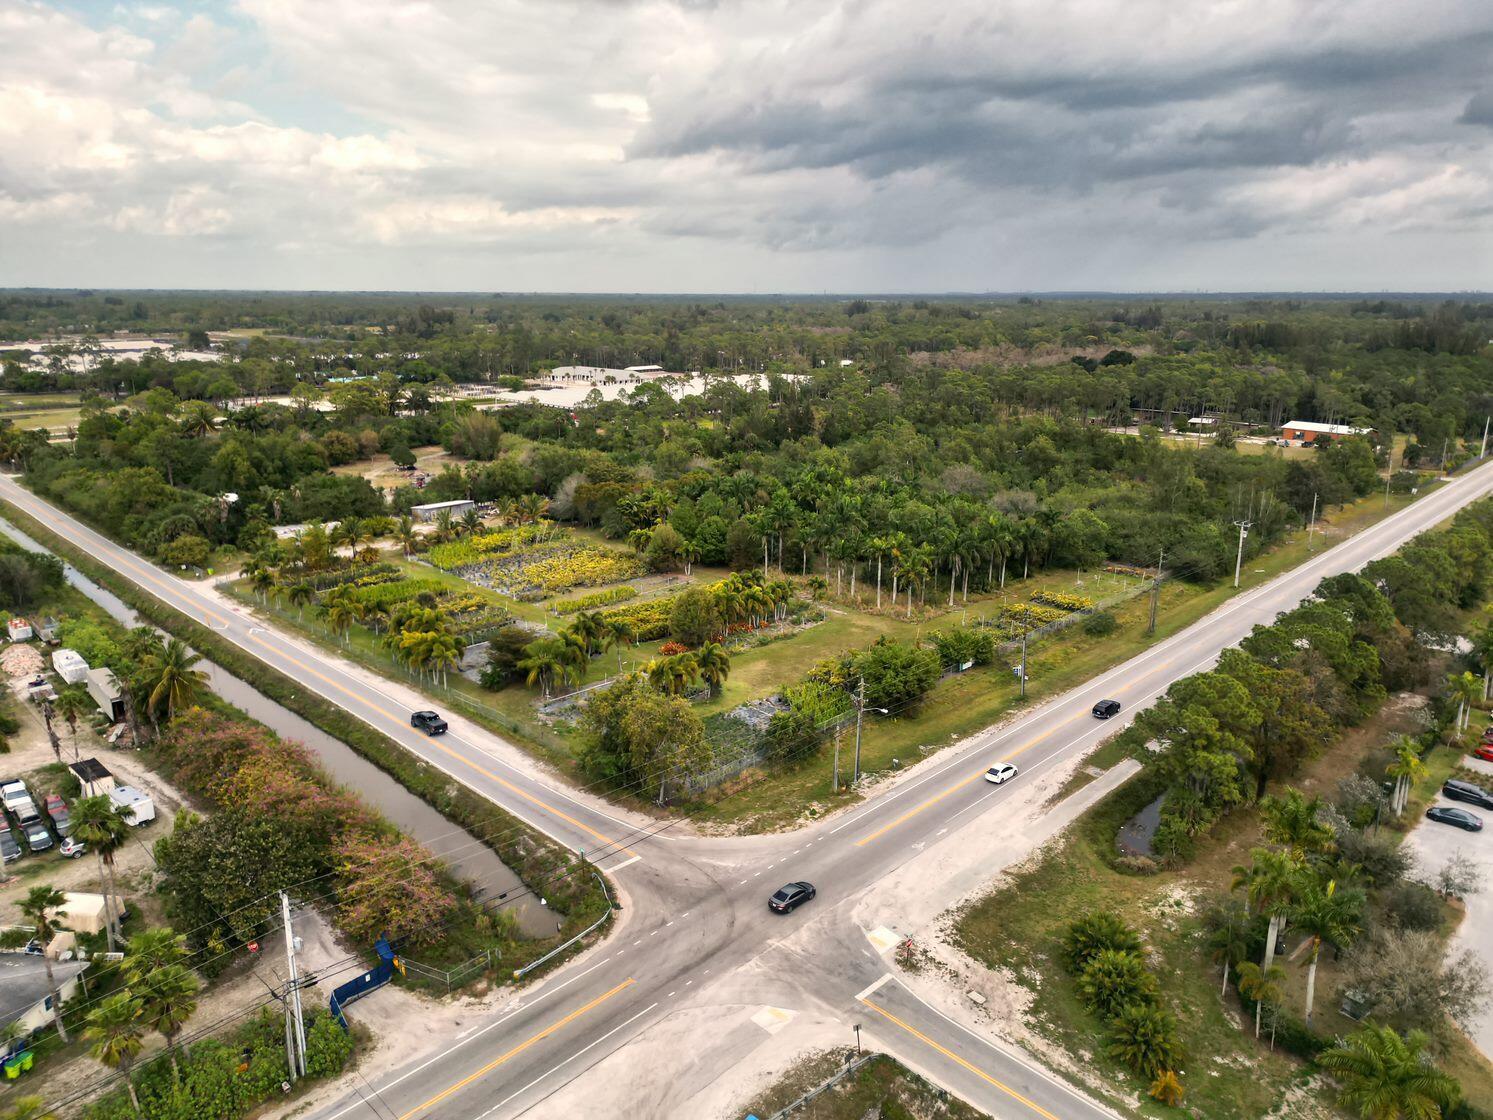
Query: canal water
pixel 490 879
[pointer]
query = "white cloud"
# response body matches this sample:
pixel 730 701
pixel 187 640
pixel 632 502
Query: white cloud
pixel 859 144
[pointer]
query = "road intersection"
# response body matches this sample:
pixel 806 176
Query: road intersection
pixel 696 936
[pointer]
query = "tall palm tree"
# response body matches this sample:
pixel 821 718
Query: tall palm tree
pixel 340 611
pixel 587 626
pixel 1264 986
pixel 471 521
pixel 1482 645
pixel 1000 538
pixel 72 703
pixel 42 907
pixel 405 534
pixel 542 663
pixel 99 823
pixel 153 949
pixel 116 1031
pixel 444 654
pixel 445 529
pixel 1325 914
pixel 714 664
pixel 1228 943
pixel 1387 1077
pixel 263 581
pixel 170 999
pixel 298 595
pixel 616 633
pixel 1465 690
pixel 1269 882
pixel 174 681
pixel 1406 769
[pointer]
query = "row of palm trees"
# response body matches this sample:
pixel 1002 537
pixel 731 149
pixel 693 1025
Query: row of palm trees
pixel 675 675
pixel 751 598
pixel 551 662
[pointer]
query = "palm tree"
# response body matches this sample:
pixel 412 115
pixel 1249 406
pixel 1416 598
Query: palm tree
pixel 1386 1077
pixel 1465 689
pixel 1406 770
pixel 27 1108
pixel 405 534
pixel 1292 822
pixel 42 906
pixel 114 1027
pixel 542 662
pixel 1000 538
pixel 173 680
pixel 72 703
pixel 1325 914
pixel 616 633
pixel 1228 942
pixel 151 950
pixel 587 626
pixel 197 419
pixel 170 1000
pixel 1482 645
pixel 445 530
pixel 1269 882
pixel 471 521
pixel 99 823
pixel 683 670
pixel 444 653
pixel 1263 986
pixel 1145 1039
pixel 263 581
pixel 299 594
pixel 532 507
pixel 340 611
pixel 715 665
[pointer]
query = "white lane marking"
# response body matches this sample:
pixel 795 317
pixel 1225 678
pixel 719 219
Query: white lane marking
pixel 447 1053
pixel 653 933
pixel 871 989
pixel 567 1061
pixel 624 863
pixel 669 996
pixel 638 942
pixel 667 924
pixel 684 915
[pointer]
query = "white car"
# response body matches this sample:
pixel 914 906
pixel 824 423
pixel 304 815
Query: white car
pixel 71 848
pixel 1000 773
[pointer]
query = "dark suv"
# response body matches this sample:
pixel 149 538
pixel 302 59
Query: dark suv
pixel 428 722
pixel 1106 708
pixel 1466 791
pixel 791 897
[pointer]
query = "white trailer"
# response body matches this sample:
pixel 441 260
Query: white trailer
pixel 137 807
pixel 70 666
pixel 106 693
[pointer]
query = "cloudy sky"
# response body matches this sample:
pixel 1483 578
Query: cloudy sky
pixel 748 145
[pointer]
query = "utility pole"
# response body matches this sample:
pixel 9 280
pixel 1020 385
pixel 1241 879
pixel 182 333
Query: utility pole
pixel 1483 451
pixel 1239 560
pixel 834 784
pixel 1311 525
pixel 1023 662
pixel 1389 474
pixel 860 710
pixel 1156 592
pixel 295 1022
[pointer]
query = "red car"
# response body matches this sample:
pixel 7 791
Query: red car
pixel 1484 752
pixel 1488 734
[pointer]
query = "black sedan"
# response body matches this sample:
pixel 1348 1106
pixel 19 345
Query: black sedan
pixel 429 722
pixel 1461 818
pixel 790 897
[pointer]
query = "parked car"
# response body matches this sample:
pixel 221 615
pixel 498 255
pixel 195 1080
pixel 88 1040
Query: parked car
pixel 72 849
pixel 1106 708
pixel 1466 791
pixel 1000 773
pixel 62 820
pixel 38 839
pixel 429 722
pixel 1484 752
pixel 17 798
pixel 1460 818
pixel 1488 733
pixel 790 897
pixel 10 851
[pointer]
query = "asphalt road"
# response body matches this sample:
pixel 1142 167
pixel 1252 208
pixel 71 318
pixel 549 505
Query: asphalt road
pixel 696 931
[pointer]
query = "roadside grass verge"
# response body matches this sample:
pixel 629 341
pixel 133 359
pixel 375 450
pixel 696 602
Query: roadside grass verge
pixel 882 1087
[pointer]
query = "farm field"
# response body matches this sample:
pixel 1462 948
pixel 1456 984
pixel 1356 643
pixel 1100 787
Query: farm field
pixel 539 575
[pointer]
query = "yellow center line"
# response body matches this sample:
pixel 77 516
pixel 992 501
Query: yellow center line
pixel 146 575
pixel 932 801
pixel 519 1049
pixel 921 1037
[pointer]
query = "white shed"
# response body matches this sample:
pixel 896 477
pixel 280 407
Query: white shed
pixel 70 665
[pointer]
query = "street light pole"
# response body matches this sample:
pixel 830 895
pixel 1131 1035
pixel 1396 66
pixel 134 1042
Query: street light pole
pixel 1239 560
pixel 860 711
pixel 1311 524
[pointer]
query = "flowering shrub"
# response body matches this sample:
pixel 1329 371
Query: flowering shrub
pixel 396 892
pixel 649 620
pixel 387 594
pixel 669 649
pixel 594 600
pixel 1063 602
pixel 472 550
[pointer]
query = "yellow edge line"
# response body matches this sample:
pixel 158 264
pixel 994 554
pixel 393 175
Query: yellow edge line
pixel 146 575
pixel 921 1037
pixel 519 1049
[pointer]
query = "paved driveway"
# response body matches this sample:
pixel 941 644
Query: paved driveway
pixel 1433 844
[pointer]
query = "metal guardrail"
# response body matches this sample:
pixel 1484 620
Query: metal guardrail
pixel 824 1087
pixel 520 973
